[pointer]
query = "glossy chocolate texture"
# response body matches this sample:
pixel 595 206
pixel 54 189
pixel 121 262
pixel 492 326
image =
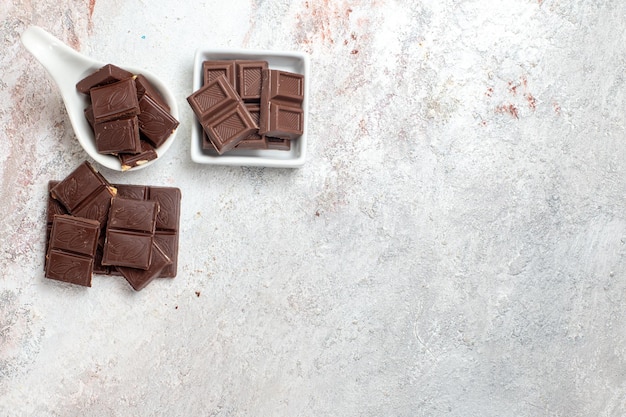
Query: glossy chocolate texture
pixel 281 104
pixel 115 101
pixel 108 74
pixel 130 233
pixel 118 136
pixel 71 249
pixel 85 192
pixel 222 114
pixel 155 122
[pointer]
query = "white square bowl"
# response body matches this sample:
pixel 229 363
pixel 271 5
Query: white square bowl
pixel 295 62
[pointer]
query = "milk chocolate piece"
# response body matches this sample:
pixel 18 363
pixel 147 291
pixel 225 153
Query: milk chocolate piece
pixel 85 192
pixel 213 69
pixel 249 79
pixel 118 136
pixel 253 140
pixel 222 114
pixel 115 101
pixel 71 250
pixel 105 75
pixel 139 278
pixel 148 153
pixel 155 122
pixel 278 144
pixel 281 104
pixel 130 233
pixel 145 87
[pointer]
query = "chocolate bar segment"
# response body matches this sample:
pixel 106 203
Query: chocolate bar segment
pixel 86 191
pixel 167 225
pixel 281 104
pixel 71 249
pixel 115 101
pixel 249 79
pixel 144 87
pixel 139 278
pixel 105 75
pixel 214 69
pixel 222 114
pixel 130 233
pixel 253 140
pixel 118 136
pixel 155 123
pixel 278 144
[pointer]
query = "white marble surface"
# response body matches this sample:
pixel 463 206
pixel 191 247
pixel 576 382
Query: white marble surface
pixel 455 244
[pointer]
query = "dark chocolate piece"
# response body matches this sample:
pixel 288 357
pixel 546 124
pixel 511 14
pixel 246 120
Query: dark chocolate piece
pixel 144 87
pixel 155 122
pixel 139 278
pixel 168 224
pixel 130 233
pixel 136 192
pixel 71 250
pixel 281 104
pixel 105 75
pixel 148 153
pixel 118 136
pixel 222 114
pixel 85 192
pixel 249 79
pixel 89 116
pixel 115 101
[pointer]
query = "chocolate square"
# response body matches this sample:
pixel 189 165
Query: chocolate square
pixel 118 136
pixel 115 101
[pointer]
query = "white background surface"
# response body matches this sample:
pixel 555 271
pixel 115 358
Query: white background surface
pixel 455 244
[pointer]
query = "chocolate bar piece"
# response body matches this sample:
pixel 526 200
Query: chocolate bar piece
pixel 105 75
pixel 130 233
pixel 145 88
pixel 281 104
pixel 168 224
pixel 155 123
pixel 71 249
pixel 213 69
pixel 222 114
pixel 148 153
pixel 115 101
pixel 249 79
pixel 243 75
pixel 118 136
pixel 85 192
pixel 139 278
pixel 253 140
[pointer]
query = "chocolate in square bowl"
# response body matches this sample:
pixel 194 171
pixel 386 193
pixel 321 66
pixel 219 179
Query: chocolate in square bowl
pixel 295 157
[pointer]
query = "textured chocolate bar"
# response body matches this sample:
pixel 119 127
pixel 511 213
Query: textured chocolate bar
pixel 213 69
pixel 222 114
pixel 249 79
pixel 105 75
pixel 130 233
pixel 139 278
pixel 155 123
pixel 85 192
pixel 281 104
pixel 144 87
pixel 115 101
pixel 118 136
pixel 71 249
pixel 168 224
pixel 253 140
pixel 278 144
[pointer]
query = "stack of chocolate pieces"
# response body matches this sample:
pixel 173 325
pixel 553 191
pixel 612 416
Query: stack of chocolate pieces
pixel 129 117
pixel 244 104
pixel 98 227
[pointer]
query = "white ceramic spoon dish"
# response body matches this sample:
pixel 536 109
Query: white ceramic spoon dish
pixel 67 67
